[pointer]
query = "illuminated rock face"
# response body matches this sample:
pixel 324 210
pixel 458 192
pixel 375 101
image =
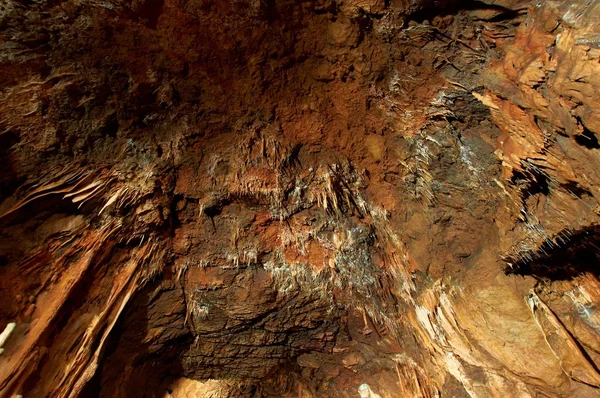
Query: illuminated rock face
pixel 313 198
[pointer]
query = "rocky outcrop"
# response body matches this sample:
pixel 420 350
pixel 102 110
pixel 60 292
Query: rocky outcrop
pixel 299 198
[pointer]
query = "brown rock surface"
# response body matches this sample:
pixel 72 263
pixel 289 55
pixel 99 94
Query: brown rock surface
pixel 316 198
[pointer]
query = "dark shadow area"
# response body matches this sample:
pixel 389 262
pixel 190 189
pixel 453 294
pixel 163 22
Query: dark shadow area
pixel 567 255
pixel 135 365
pixel 531 182
pixel 587 139
pixel 9 180
pixel 453 7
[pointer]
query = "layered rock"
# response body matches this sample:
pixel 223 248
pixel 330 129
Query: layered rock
pixel 315 198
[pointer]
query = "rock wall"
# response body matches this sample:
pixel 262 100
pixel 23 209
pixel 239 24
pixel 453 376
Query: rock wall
pixel 317 198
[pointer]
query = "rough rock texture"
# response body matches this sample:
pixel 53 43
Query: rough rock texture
pixel 317 198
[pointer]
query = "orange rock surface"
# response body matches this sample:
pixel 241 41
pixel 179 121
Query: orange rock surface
pixel 315 198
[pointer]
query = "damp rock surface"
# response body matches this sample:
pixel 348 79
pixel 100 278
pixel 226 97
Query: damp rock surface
pixel 316 198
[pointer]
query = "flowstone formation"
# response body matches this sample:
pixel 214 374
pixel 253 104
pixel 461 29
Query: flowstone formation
pixel 299 198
